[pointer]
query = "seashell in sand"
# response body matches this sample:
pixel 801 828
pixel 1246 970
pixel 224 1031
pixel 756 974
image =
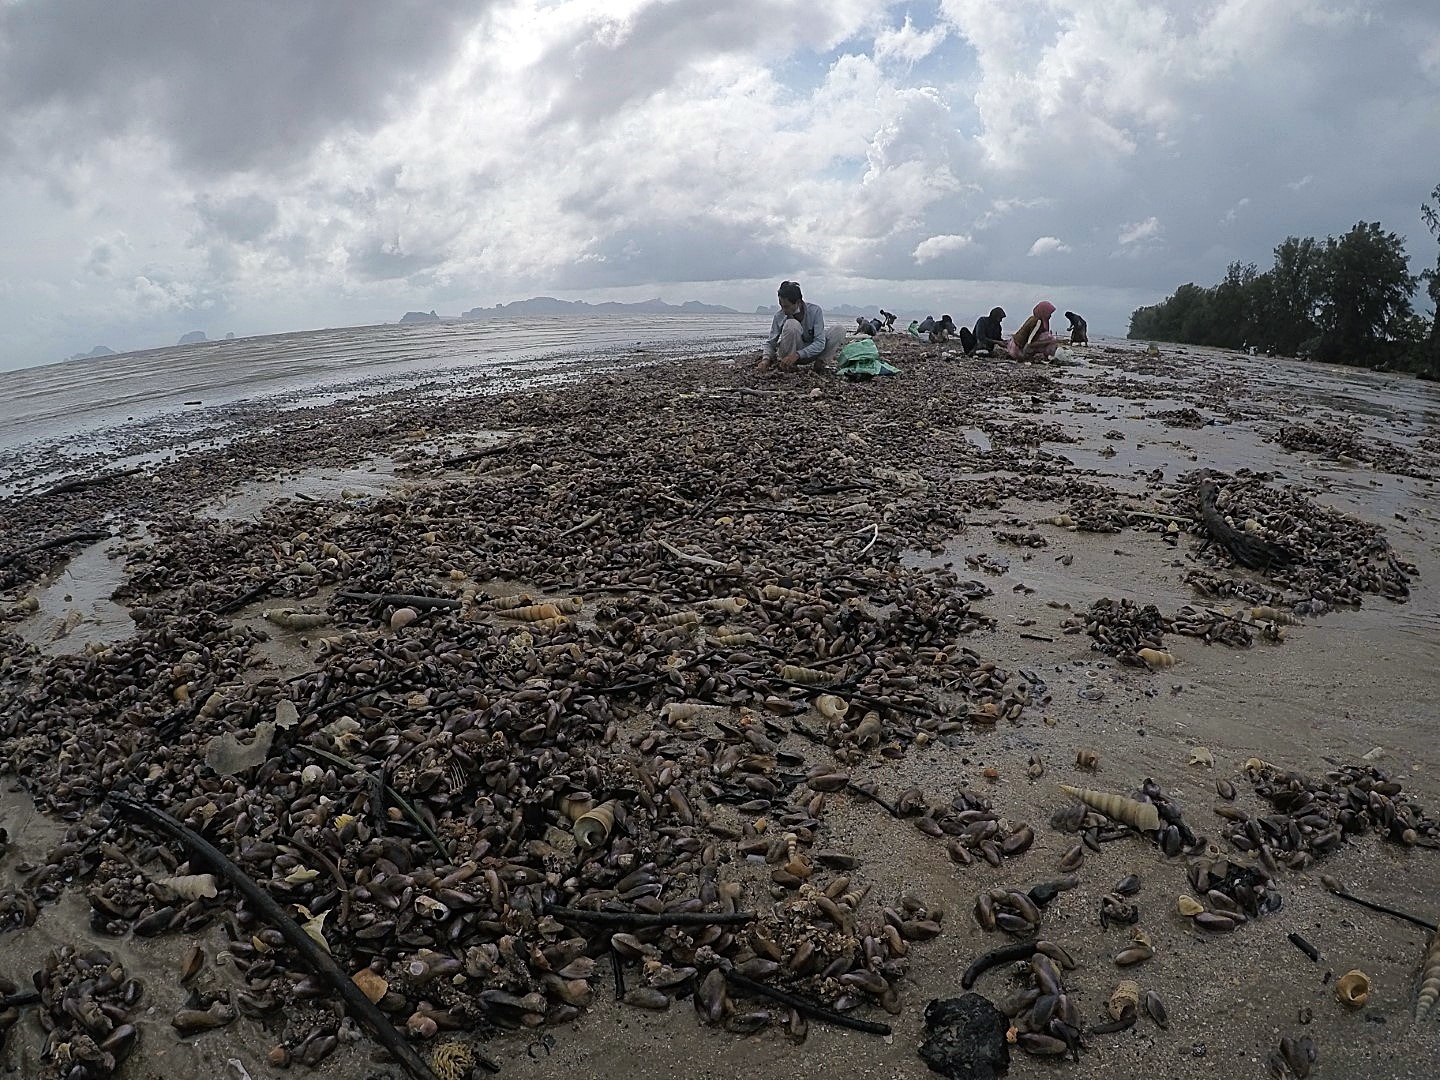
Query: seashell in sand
pixel 1138 815
pixel 592 828
pixel 1353 989
pixel 1124 999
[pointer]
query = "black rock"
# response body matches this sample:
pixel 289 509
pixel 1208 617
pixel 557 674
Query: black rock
pixel 965 1038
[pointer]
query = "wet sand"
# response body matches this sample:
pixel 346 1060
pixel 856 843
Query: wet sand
pixel 1343 684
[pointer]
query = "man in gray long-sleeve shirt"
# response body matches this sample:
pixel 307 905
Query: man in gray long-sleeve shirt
pixel 798 337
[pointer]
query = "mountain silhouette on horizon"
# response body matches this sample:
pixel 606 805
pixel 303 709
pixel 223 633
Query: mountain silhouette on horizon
pixel 549 305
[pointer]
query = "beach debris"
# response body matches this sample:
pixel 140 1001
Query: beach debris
pixel 1124 1000
pixel 1313 817
pixel 1155 658
pixel 1304 946
pixel 1188 906
pixel 1202 757
pixel 402 617
pixel 1294 1059
pixel 1087 759
pixel 187 887
pixel 294 619
pixel 1047 1023
pixel 965 1038
pixel 227 755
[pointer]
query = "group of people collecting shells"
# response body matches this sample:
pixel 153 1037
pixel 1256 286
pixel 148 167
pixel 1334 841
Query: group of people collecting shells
pixel 800 339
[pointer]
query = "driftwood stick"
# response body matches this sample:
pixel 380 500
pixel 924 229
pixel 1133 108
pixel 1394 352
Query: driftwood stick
pixel 404 600
pixel 476 455
pixel 54 542
pixel 809 1008
pixel 645 918
pixel 694 560
pixel 1247 550
pixel 19 998
pixel 1304 946
pixel 247 596
pixel 874 796
pixel 1148 515
pixel 78 483
pixel 874 535
pixel 390 793
pixel 319 961
pixel 593 519
pixel 1339 890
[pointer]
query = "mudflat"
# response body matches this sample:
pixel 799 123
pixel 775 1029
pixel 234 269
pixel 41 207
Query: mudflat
pixel 975 552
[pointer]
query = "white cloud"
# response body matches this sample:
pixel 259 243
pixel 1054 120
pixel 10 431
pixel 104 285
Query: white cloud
pixel 155 167
pixel 937 247
pixel 1234 212
pixel 906 44
pixel 1140 230
pixel 1048 245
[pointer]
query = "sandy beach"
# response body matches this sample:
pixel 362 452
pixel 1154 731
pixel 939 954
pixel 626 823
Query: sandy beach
pixel 381 650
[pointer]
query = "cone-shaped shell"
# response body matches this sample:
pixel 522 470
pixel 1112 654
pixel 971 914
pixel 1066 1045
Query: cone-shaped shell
pixel 1138 815
pixel 1353 989
pixel 533 613
pixel 592 828
pixel 1429 980
pixel 807 676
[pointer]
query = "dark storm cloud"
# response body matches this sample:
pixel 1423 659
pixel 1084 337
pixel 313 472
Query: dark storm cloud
pixel 244 219
pixel 385 258
pixel 230 85
pixel 609 64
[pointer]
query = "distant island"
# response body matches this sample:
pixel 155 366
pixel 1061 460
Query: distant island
pixel 98 350
pixel 829 309
pixel 194 337
pixel 549 305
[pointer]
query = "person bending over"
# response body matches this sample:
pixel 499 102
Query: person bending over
pixel 1034 341
pixel 986 336
pixel 889 317
pixel 939 330
pixel 1079 332
pixel 798 337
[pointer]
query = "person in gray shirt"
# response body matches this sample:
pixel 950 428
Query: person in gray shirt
pixel 798 337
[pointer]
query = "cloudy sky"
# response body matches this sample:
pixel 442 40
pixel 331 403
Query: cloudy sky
pixel 267 165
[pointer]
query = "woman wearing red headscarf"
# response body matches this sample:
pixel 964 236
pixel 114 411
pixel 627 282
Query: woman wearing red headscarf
pixel 1034 341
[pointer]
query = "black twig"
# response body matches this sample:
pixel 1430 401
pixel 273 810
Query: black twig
pixel 805 1006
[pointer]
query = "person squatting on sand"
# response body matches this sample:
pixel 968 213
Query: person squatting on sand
pixel 1079 332
pixel 986 336
pixel 1034 341
pixel 939 330
pixel 798 337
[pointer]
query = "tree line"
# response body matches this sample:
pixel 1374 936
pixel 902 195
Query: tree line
pixel 1342 300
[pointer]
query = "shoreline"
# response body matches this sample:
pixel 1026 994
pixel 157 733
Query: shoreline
pixel 878 504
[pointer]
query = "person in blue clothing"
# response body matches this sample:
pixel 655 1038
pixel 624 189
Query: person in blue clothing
pixel 798 336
